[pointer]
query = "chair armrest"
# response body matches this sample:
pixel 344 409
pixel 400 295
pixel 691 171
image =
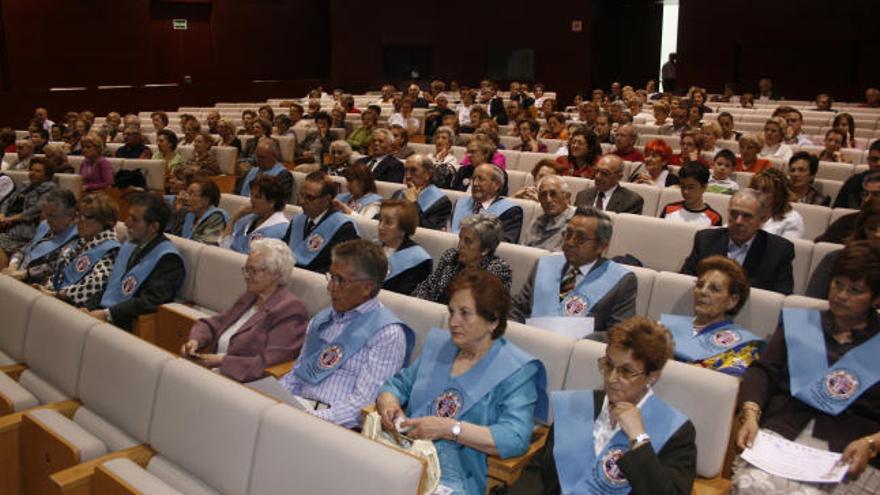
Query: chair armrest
pixel 12 421
pixel 145 327
pixel 508 470
pixel 226 183
pixel 77 480
pixel 711 486
pixel 14 370
pixel 279 370
pixel 173 323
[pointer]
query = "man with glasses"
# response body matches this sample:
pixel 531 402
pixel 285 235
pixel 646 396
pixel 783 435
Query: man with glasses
pixel 313 233
pixel 357 336
pixel 580 282
pixel 486 185
pixel 608 194
pixel 546 231
pixel 134 147
pixel 850 195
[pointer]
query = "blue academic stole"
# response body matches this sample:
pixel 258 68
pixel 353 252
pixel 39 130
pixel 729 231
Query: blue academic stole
pixel 252 174
pixel 306 250
pixel 429 197
pixel 190 224
pixel 361 204
pixel 241 242
pixel 40 247
pixel 829 389
pixel 80 266
pixel 319 359
pixel 581 300
pixel 124 283
pixel 170 199
pixel 436 392
pixel 464 208
pixel 580 470
pixel 404 259
pixel 710 341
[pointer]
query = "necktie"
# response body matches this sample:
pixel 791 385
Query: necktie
pixel 310 226
pixel 600 201
pixel 478 207
pixel 372 164
pixel 568 282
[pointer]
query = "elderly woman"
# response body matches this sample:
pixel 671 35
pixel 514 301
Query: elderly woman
pixel 261 129
pixel 655 171
pixel 691 142
pixel 528 135
pixel 445 163
pixel 433 207
pixel 478 238
pixel 203 161
pixel 477 153
pixel 624 438
pixel 471 391
pixel 748 161
pixel 37 261
pixel 85 265
pixel 710 338
pixel 584 151
pixel 361 137
pixel 20 211
pixel 57 158
pixel 264 327
pixel 555 127
pixel 340 157
pixel 774 132
pixel 96 171
pixel 264 218
pixel 191 128
pixel 408 263
pixel 847 124
pixel 833 142
pixel 204 222
pixel 783 221
pixel 361 198
pixel 312 148
pixel 816 382
pixel 227 135
pixel 802 170
pixel 166 144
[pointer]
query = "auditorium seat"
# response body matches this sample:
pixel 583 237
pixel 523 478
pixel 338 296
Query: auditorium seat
pixel 232 203
pixel 15 305
pixel 287 145
pixel 803 257
pixel 516 180
pixel 311 288
pixel 828 187
pixel 191 252
pixel 153 171
pixel 805 302
pixel 650 194
pixel 820 250
pixel 420 315
pixel 553 349
pixel 522 260
pixel 645 279
pixel 218 280
pixel 836 213
pixel 670 242
pixel 68 182
pixel 528 160
pixel 834 171
pixel 511 159
pixel 816 218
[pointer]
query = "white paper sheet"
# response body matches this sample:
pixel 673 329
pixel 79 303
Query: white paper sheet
pixel 273 388
pixel 570 326
pixel 790 460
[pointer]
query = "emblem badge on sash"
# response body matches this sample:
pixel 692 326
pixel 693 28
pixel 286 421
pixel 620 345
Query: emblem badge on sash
pixel 81 264
pixel 725 338
pixel 314 242
pixel 256 236
pixel 129 285
pixel 841 384
pixel 448 404
pixel 610 468
pixel 330 356
pixel 575 305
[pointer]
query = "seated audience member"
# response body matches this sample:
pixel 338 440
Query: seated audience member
pixel 722 169
pixel 485 196
pixel 710 338
pixel 317 142
pixel 25 152
pixel 543 168
pixel 624 144
pixel 608 194
pixel 354 346
pixel 480 235
pixel 693 179
pixel 20 211
pixel 796 135
pixel 766 257
pixel 191 128
pixel 434 208
pixel 134 147
pixel 166 142
pixel 226 131
pixel 774 132
pixel 261 129
pixel 555 128
pixel 267 164
pixel 95 169
pixel 487 135
pixel 842 228
pixel 584 151
pixel 203 222
pixel 283 126
pixel 747 100
pixel 833 143
pixel 867 227
pixel 408 263
pixel 823 103
pixel 362 198
pixel 783 220
pixel 404 118
pixel 203 161
pixel 37 261
pixel 802 170
pixel 850 195
pixel 580 282
pixel 624 438
pixel 528 135
pixel 148 270
pixel 57 158
pixel 434 116
pixel 361 138
pixel 691 143
pixel 816 382
pixel 710 134
pixel 603 129
pixel 655 171
pixel 340 159
pixel 264 218
pixel 313 233
pixel 845 122
pixel 248 117
pixel 159 120
pixel 84 265
pixel 749 146
pixel 400 146
pixel 661 117
pixel 445 162
pixel 266 112
pixel 872 98
pixel 265 326
pixel 679 122
pixel 381 163
pixel 546 231
pixel 40 138
pixel 503 385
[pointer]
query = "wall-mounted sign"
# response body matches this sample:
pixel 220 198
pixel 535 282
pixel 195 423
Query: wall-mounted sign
pixel 179 24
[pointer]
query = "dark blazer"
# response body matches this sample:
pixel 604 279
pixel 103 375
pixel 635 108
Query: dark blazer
pixel 434 217
pixel 406 281
pixel 622 200
pixel 768 262
pixel 285 178
pixel 850 195
pixel 511 223
pixel 462 180
pixel 271 336
pixel 497 110
pixel 390 169
pixel 670 471
pixel 617 305
pixel 159 288
pixel 840 229
pixel 321 263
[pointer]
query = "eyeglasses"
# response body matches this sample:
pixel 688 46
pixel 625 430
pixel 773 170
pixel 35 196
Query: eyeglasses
pixel 624 372
pixel 310 197
pixel 251 271
pixel 577 237
pixel 340 281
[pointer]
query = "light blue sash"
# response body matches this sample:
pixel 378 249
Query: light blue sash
pixel 429 197
pixel 404 259
pixel 581 300
pixel 829 389
pixel 436 392
pixel 40 247
pixel 319 359
pixel 190 224
pixel 80 266
pixel 711 341
pixel 252 174
pixel 241 243
pixel 580 470
pixel 124 283
pixel 306 250
pixel 170 198
pixel 464 208
pixel 361 204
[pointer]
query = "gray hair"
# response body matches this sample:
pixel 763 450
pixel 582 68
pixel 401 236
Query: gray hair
pixel 497 173
pixel 384 132
pixel 62 198
pixel 367 259
pixel 488 229
pixel 342 144
pixel 563 186
pixel 426 163
pixel 278 256
pixel 605 227
pixel 448 130
pixel 753 194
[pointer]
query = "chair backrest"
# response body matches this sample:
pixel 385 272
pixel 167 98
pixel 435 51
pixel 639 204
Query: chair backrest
pixel 16 302
pixel 287 145
pixel 153 170
pixel 190 251
pixel 828 187
pixel 800 266
pixel 645 282
pixel 815 218
pixel 420 315
pixel 522 260
pixel 553 349
pixel 310 288
pixel 836 213
pixel 528 160
pixel 232 203
pixel 805 302
pixel 435 242
pixel 820 251
pixel 834 171
pixel 670 242
pixel 226 158
pixel 218 279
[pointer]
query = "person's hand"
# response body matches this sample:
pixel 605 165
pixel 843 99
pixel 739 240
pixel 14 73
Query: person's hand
pixel 694 155
pixel 748 429
pixel 627 415
pixel 389 409
pixel 210 360
pixel 190 349
pixel 856 454
pixel 97 313
pixel 16 274
pixel 429 428
pixel 440 154
pixel 411 194
pixel 45 291
pixel 341 207
pixel 527 193
pixel 644 178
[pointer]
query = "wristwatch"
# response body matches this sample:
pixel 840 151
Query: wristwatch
pixel 641 437
pixel 456 430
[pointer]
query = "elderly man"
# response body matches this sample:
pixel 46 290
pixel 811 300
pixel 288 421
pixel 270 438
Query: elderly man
pixel 434 116
pixel 148 270
pixel 580 282
pixel 624 144
pixel 313 233
pixel 765 257
pixel 486 185
pixel 495 104
pixel 357 336
pixel 434 206
pixel 213 118
pixel 588 112
pixel 546 231
pixel 37 260
pixel 608 194
pixel 41 117
pixel 679 122
pixel 134 147
pixel 25 152
pixel 850 195
pixel 382 164
pixel 413 92
pixel 269 164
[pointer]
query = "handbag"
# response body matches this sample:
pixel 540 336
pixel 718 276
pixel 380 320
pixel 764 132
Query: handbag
pixel 425 449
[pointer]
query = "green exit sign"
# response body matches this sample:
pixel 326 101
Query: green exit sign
pixel 179 24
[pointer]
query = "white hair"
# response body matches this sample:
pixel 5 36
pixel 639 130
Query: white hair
pixel 563 186
pixel 278 256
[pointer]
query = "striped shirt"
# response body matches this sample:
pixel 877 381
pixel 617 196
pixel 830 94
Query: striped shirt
pixel 356 382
